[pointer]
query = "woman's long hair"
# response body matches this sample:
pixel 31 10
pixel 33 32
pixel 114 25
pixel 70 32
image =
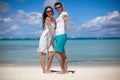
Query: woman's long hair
pixel 45 15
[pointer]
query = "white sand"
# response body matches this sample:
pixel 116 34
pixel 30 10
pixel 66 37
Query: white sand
pixel 81 73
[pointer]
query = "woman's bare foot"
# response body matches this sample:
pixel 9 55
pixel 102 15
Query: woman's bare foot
pixel 46 71
pixel 67 71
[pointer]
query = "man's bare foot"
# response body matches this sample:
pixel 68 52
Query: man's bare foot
pixel 62 72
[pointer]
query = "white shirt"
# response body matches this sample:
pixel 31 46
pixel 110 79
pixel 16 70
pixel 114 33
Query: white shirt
pixel 61 27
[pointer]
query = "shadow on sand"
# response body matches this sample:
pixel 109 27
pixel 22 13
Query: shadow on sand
pixel 69 71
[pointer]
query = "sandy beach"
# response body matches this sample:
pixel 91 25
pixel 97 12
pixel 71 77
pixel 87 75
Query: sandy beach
pixel 15 72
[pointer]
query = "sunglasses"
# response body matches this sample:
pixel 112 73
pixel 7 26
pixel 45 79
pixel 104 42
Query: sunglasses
pixel 49 11
pixel 57 7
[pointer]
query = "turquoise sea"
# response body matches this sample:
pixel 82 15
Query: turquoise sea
pixel 78 50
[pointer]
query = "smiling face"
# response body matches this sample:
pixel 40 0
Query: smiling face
pixel 49 12
pixel 58 8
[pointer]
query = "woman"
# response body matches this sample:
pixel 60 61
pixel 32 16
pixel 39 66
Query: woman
pixel 46 43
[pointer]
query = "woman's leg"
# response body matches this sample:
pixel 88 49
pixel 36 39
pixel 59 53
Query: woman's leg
pixel 42 62
pixel 50 58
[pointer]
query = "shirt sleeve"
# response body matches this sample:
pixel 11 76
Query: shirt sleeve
pixel 65 13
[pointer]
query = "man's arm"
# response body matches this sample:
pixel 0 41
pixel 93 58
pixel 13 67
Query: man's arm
pixel 65 18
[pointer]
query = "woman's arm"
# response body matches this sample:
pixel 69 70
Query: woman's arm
pixel 47 21
pixel 54 22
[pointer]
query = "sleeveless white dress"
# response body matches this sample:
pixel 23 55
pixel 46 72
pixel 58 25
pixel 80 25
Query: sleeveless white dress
pixel 46 42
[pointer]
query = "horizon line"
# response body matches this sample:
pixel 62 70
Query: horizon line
pixel 67 38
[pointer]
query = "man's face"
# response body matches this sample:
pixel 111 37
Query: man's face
pixel 58 8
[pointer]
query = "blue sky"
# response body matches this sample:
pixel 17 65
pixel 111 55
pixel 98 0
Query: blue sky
pixel 87 18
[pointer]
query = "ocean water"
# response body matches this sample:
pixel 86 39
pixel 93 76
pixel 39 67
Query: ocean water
pixel 79 50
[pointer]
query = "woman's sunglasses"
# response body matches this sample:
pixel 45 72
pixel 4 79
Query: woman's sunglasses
pixel 49 11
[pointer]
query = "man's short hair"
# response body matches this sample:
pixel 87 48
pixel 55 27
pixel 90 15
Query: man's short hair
pixel 58 3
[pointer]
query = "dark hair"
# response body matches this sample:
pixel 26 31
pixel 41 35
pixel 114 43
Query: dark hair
pixel 59 3
pixel 45 15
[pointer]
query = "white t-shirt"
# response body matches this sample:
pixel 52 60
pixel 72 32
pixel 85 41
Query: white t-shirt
pixel 61 27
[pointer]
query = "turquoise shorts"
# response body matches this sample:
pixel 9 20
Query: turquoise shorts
pixel 60 42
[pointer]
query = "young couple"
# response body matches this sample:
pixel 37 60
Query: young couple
pixel 46 43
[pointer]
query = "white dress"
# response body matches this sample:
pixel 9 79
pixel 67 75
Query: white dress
pixel 46 42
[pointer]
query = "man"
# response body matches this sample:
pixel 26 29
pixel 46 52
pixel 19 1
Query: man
pixel 61 37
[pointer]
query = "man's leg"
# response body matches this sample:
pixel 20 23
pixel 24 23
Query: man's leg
pixel 65 60
pixel 61 61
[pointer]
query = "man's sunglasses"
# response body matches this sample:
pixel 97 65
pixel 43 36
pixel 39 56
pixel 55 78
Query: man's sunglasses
pixel 57 7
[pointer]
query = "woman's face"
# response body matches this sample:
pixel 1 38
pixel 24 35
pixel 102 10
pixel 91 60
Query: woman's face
pixel 49 12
